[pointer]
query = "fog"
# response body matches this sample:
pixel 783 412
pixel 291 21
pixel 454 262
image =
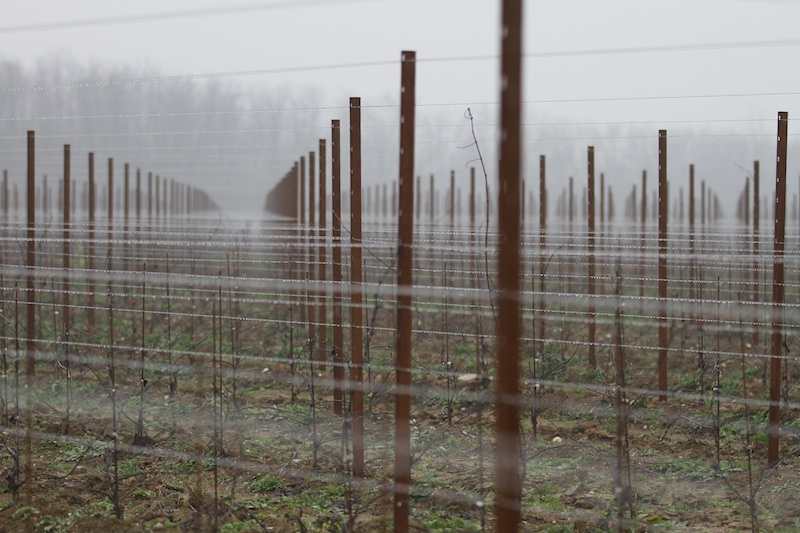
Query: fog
pixel 226 99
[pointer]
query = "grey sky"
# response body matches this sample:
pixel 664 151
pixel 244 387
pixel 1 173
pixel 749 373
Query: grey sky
pixel 367 31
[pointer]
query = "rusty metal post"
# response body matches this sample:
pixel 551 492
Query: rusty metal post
pixel 138 194
pixel 312 235
pixel 431 218
pixel 693 259
pixel 30 331
pixel 65 263
pixel 322 314
pixel 110 213
pixel 336 230
pixel 356 298
pixel 158 196
pixel 405 282
pixel 90 318
pixel 643 230
pixel 126 214
pixel 303 230
pixel 45 199
pixel 663 333
pixel 747 201
pixel 432 202
pixel 773 433
pixel 756 244
pixel 602 201
pixel 452 198
pixel 418 205
pixel 384 187
pixel 394 200
pixel 5 193
pixel 30 263
pixel 571 204
pixel 542 248
pixel 590 250
pixel 703 202
pixel 508 479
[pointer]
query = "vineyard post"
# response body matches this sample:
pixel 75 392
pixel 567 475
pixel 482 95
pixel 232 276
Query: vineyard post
pixel 294 261
pixel 746 202
pixel 384 202
pixel 405 282
pixel 602 201
pixel 336 222
pixel 30 297
pixel 642 245
pixel 662 264
pixel 508 480
pixel 356 311
pixel 542 248
pixel 110 213
pixel 138 204
pixel 90 318
pixel 571 202
pixel 571 217
pixel 703 203
pixel 418 204
pixel 590 246
pixel 693 266
pixel 303 250
pixel 756 243
pixel 158 197
pixel 322 251
pixel 312 235
pixel 773 433
pixel 5 193
pixel 65 284
pixel 126 213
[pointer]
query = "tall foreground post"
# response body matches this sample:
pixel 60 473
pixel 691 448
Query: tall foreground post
pixel 663 334
pixel 303 247
pixel 590 249
pixel 322 252
pixel 773 433
pixel 508 480
pixel 405 281
pixel 356 312
pixel 30 331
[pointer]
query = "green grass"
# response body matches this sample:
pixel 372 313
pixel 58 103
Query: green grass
pixel 440 521
pixel 265 483
pixel 544 496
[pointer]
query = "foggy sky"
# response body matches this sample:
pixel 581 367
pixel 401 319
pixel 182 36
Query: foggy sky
pixel 377 30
